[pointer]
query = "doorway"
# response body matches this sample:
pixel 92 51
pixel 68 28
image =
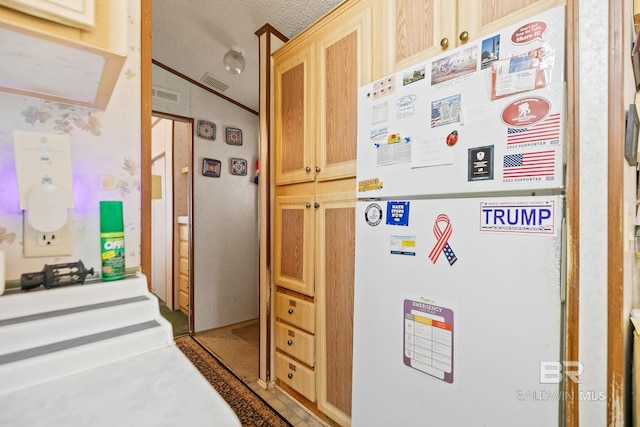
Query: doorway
pixel 171 147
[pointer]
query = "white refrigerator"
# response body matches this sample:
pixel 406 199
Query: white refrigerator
pixel 459 236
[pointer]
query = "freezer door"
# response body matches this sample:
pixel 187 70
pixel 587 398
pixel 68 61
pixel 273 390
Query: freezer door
pixel 457 305
pixel 488 116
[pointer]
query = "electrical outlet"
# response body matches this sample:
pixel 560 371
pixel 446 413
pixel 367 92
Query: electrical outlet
pixel 47 239
pixel 40 244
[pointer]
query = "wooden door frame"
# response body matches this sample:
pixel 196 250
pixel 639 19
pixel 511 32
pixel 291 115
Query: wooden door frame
pixel 190 121
pixel 617 319
pixel 145 134
pixel 572 301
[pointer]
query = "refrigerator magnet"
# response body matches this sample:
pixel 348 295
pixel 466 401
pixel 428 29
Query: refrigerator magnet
pixel 373 214
pixel 480 165
pixel 398 213
pixel 452 138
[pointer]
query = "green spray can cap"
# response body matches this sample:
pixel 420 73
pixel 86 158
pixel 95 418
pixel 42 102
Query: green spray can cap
pixel 111 217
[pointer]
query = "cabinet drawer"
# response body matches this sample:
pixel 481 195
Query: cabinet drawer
pixel 296 311
pixel 296 343
pixel 184 302
pixel 184 283
pixel 183 232
pixel 184 249
pixel 295 375
pixel 184 266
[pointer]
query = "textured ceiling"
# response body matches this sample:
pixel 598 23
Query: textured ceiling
pixel 192 36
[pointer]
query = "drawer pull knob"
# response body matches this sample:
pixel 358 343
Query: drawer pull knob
pixel 307 205
pixel 289 375
pixel 444 43
pixel 290 311
pixel 317 169
pixel 307 169
pixel 464 36
pixel 289 342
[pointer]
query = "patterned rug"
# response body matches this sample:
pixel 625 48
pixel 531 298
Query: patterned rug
pixel 248 406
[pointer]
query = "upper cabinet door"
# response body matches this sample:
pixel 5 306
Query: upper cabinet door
pixel 293 130
pixel 482 17
pixel 416 30
pixel 344 54
pixel 412 31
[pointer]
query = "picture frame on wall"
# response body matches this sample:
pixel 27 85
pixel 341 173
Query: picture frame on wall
pixel 206 130
pixel 631 135
pixel 238 167
pixel 211 167
pixel 234 136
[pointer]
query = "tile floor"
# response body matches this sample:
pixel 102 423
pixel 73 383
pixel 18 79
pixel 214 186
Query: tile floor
pixel 287 407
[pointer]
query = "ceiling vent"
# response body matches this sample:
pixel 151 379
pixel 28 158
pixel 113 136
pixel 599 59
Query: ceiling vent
pixel 165 95
pixel 218 85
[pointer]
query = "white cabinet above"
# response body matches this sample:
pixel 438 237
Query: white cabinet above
pixel 75 13
pixel 50 60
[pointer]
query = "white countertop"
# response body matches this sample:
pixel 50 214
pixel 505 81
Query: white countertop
pixel 157 388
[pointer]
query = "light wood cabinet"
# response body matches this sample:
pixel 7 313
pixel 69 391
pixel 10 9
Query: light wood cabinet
pixel 316 81
pixel 344 64
pixel 296 311
pixel 293 128
pixel 416 30
pixel 335 269
pixel 50 60
pixel 183 235
pixel 294 251
pixel 317 315
pixel 297 343
pixel 296 375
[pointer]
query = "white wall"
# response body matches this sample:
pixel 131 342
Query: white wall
pixel 225 210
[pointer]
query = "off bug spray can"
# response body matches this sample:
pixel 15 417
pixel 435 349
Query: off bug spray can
pixel 112 240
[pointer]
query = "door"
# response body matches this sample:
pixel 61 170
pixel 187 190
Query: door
pixel 171 163
pixel 162 210
pixel 161 236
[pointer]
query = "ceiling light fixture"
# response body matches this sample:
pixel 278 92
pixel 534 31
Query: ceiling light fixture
pixel 234 61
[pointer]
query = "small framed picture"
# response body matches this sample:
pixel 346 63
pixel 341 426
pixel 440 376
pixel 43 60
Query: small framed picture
pixel 211 167
pixel 238 167
pixel 206 130
pixel 234 136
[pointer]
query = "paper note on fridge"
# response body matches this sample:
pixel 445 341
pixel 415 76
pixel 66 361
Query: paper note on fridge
pixel 430 152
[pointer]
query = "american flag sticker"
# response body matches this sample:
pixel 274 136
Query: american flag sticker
pixel 537 164
pixel 546 130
